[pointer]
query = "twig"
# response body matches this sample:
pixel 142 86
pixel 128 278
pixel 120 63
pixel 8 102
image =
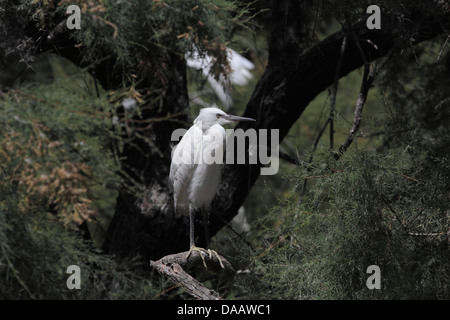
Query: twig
pixel 229 226
pixel 334 91
pixel 442 49
pixel 394 212
pixel 316 143
pixel 116 30
pixel 16 272
pixel 427 234
pixel 273 245
pixel 167 290
pixel 367 81
pixel 288 158
pixel 172 265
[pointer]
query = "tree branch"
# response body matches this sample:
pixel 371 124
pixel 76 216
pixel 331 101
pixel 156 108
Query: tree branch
pixel 171 266
pixel 367 81
pixel 334 91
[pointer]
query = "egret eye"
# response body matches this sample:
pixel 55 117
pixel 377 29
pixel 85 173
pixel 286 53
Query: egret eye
pixel 218 115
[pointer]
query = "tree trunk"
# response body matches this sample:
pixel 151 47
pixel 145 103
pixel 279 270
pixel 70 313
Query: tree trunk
pixel 148 225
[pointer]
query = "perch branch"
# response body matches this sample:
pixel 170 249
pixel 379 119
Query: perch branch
pixel 172 266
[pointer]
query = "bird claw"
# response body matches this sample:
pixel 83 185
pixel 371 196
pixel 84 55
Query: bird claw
pixel 202 251
pixel 211 252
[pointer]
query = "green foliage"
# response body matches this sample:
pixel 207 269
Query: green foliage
pixel 386 206
pixel 52 180
pixel 61 134
pixel 142 33
pixel 36 251
pixel 370 209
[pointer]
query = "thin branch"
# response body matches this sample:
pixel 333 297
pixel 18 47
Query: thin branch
pixel 288 158
pixel 116 29
pixel 442 49
pixel 427 234
pixel 367 81
pixel 16 272
pixel 229 226
pixel 316 143
pixel 394 212
pixel 334 90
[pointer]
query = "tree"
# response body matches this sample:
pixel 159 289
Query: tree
pixel 136 50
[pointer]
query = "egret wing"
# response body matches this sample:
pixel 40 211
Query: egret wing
pixel 185 158
pixel 206 177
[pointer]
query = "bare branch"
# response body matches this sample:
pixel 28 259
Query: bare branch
pixel 367 81
pixel 172 266
pixel 442 49
pixel 334 90
pixel 288 158
pixel 313 150
pixel 427 234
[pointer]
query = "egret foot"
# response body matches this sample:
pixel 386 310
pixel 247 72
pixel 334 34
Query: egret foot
pixel 202 251
pixel 211 252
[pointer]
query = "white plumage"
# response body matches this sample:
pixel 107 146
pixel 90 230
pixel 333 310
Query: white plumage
pixel 196 160
pixel 240 72
pixel 188 175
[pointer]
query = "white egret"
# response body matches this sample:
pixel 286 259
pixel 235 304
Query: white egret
pixel 240 72
pixel 194 177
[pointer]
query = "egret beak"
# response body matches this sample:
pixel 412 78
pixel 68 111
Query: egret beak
pixel 230 117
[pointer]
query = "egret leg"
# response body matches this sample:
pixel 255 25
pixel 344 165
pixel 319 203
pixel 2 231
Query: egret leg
pixel 191 226
pixel 201 251
pixel 208 239
pixel 192 236
pixel 206 225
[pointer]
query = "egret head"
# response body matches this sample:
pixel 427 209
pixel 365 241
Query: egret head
pixel 213 115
